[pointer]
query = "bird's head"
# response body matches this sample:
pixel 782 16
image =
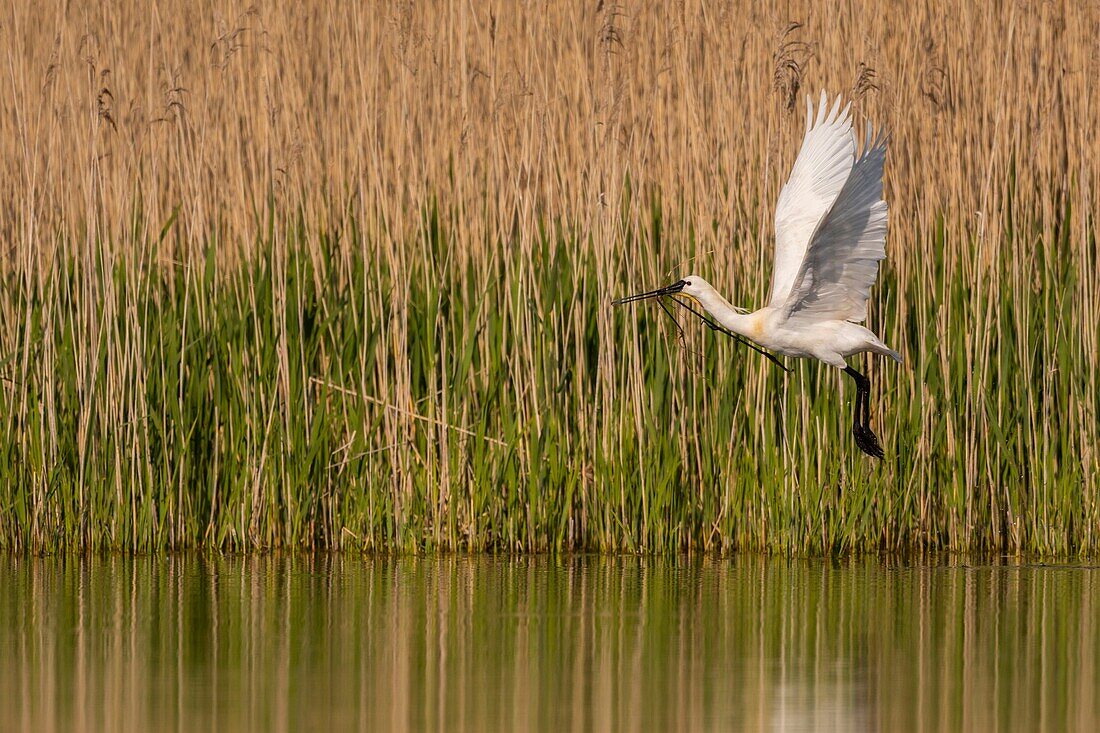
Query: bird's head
pixel 691 286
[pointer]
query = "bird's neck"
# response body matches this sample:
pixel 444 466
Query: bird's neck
pixel 721 310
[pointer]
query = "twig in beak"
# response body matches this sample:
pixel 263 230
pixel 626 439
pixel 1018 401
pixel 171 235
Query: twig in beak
pixel 681 336
pixel 714 326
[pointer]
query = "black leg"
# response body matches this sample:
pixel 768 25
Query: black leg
pixel 857 406
pixel 861 417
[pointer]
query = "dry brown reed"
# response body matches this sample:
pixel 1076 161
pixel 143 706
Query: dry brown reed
pixel 174 137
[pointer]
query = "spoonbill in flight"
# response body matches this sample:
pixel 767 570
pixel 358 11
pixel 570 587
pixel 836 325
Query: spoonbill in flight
pixel 830 232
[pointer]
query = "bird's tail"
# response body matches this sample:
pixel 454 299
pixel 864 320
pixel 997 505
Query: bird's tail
pixel 880 348
pixel 887 351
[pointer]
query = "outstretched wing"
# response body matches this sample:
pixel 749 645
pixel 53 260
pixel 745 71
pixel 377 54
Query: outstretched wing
pixel 842 261
pixel 819 174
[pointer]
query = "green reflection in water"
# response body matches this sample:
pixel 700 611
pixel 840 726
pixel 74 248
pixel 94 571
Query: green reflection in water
pixel 576 643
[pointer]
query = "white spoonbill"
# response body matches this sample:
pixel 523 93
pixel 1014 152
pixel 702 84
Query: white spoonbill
pixel 830 232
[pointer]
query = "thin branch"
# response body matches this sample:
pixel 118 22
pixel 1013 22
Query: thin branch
pixel 680 329
pixel 715 326
pixel 407 413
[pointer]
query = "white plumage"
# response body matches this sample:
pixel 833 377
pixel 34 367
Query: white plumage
pixel 830 235
pixel 820 171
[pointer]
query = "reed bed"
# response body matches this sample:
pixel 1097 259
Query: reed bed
pixel 339 276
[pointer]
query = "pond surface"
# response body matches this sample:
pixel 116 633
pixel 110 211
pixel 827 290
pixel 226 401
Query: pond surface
pixel 327 642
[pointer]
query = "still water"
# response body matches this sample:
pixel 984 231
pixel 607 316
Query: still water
pixel 335 642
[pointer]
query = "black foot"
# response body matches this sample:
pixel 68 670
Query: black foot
pixel 867 441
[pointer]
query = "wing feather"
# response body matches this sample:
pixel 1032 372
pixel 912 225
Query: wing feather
pixel 823 165
pixel 841 263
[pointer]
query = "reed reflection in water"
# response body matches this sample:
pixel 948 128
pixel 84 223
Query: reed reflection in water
pixel 291 643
